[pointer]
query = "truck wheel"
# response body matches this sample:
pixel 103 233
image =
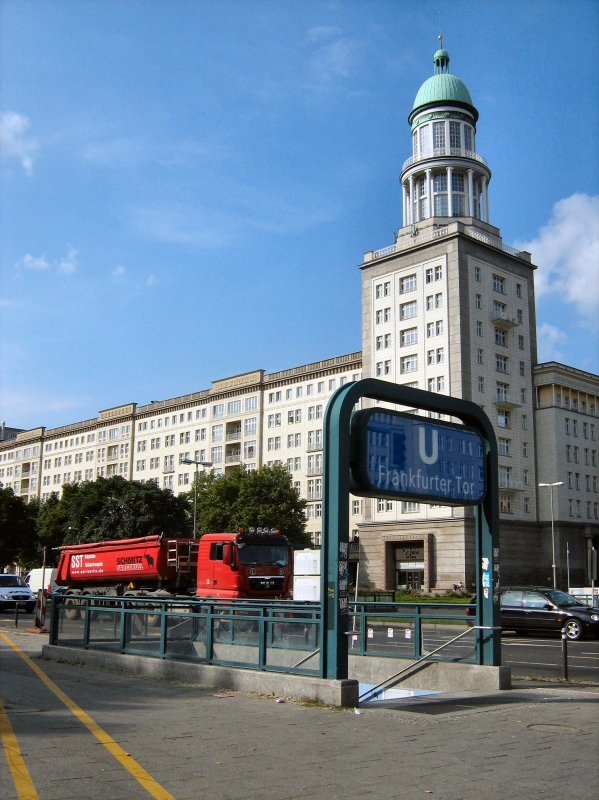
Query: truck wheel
pixel 71 608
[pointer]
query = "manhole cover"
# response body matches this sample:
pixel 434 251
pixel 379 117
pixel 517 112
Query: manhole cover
pixel 551 726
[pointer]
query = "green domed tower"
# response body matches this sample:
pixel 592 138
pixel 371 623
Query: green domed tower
pixel 445 176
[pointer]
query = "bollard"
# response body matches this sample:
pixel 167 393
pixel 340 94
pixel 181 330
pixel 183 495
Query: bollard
pixel 16 615
pixel 565 653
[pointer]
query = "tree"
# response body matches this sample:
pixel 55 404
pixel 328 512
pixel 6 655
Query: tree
pixel 111 508
pixel 241 499
pixel 17 528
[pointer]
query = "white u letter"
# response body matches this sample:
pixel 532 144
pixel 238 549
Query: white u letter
pixel 422 446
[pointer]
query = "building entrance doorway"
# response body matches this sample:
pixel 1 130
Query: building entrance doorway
pixel 409 565
pixel 409 579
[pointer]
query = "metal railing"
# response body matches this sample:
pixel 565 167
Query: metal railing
pixel 278 635
pixel 388 683
pixel 263 635
pixel 407 630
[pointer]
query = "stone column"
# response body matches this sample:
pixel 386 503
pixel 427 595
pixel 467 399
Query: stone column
pixel 449 192
pixel 470 195
pixel 429 191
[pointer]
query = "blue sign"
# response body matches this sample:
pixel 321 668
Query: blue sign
pixel 405 456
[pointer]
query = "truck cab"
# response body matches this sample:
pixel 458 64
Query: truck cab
pixel 247 564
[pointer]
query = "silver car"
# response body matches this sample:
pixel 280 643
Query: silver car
pixel 14 591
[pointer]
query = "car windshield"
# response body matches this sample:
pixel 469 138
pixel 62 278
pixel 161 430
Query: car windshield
pixel 12 580
pixel 263 554
pixel 563 599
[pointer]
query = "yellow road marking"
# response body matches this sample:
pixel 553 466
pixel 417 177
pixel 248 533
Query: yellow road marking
pixel 20 774
pixel 139 773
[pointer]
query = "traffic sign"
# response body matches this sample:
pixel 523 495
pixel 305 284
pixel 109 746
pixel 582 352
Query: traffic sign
pixel 406 456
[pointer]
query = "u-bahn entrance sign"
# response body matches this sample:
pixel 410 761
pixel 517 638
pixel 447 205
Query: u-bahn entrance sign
pixel 401 455
pixel 384 453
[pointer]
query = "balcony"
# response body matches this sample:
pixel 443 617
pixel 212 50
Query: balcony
pixel 233 435
pixel 510 486
pixel 234 457
pixel 504 400
pixel 444 152
pixel 313 446
pixel 503 320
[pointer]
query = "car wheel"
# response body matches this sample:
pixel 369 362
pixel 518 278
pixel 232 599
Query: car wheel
pixel 573 629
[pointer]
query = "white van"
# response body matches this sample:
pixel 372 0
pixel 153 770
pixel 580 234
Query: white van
pixel 34 579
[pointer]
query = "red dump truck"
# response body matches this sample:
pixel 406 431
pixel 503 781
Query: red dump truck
pixel 248 564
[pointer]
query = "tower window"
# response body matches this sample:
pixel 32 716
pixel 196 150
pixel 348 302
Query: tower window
pixel 455 139
pixel 467 137
pixel 438 135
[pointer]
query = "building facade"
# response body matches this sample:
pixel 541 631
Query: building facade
pixel 448 308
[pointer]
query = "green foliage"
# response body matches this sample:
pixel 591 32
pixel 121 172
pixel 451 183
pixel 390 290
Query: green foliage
pixel 114 508
pixel 241 499
pixel 17 529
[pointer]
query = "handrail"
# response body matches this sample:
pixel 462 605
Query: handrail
pixel 307 658
pixel 389 682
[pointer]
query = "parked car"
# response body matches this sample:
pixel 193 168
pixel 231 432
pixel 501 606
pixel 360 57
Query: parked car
pixel 14 591
pixel 533 609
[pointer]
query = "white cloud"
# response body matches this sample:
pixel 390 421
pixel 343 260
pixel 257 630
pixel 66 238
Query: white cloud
pixel 65 266
pixel 151 280
pixel 566 252
pixel 32 262
pixel 549 341
pixel 14 141
pixel 70 263
pixel 118 273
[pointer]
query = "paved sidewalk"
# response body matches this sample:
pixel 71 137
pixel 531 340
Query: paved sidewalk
pixel 534 742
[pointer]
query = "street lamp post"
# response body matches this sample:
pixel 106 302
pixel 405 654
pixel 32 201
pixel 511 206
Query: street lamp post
pixel 553 566
pixel 198 464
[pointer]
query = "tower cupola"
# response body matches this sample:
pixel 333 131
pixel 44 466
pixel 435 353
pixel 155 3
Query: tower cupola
pixel 445 176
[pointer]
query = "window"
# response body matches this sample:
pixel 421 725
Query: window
pixel 503 446
pixel 481 383
pixel 382 289
pixel 217 433
pixel 218 410
pixel 408 310
pixel 480 355
pixel 251 403
pixel 503 419
pixel 500 337
pixel 477 275
pixel 234 407
pixel 478 301
pixel 501 363
pixel 455 137
pixel 409 336
pixel 409 364
pixel 434 328
pixel 467 137
pixel 249 426
pixel 499 284
pixel 438 135
pixel 383 368
pixel 479 328
pixel 407 284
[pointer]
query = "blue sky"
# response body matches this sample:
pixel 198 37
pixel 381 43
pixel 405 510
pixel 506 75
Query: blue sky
pixel 188 187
